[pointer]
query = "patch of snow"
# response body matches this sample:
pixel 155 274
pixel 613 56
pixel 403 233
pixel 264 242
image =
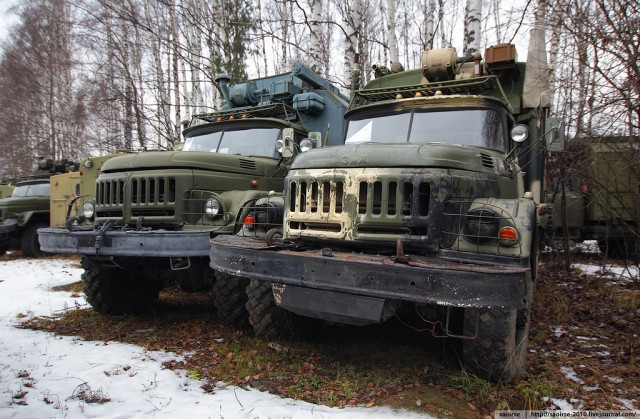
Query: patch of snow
pixel 614 380
pixel 628 404
pixel 46 371
pixel 570 374
pixel 559 331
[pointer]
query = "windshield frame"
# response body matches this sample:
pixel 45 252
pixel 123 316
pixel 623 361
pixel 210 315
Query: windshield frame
pixel 29 189
pixel 411 111
pixel 243 125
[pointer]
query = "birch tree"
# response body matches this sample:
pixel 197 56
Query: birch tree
pixel 472 27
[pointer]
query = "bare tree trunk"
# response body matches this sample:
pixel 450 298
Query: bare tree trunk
pixel 391 31
pixel 352 26
pixel 472 27
pixel 315 37
pixel 429 27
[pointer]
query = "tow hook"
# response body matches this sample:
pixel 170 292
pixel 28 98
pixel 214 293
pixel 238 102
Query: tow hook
pixel 100 234
pixel 274 237
pixel 400 257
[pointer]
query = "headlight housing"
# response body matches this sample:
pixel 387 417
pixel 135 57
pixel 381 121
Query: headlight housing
pixel 89 210
pixel 481 225
pixel 212 207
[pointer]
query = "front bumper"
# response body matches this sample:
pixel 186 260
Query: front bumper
pixel 154 243
pixel 362 276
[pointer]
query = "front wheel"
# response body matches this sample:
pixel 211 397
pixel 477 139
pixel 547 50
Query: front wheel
pixel 115 290
pixel 230 299
pixel 265 316
pixel 498 353
pixel 29 243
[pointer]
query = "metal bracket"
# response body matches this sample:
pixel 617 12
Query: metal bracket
pixel 177 263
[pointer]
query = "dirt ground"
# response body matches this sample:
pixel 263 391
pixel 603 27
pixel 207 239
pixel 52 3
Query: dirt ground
pixel 584 350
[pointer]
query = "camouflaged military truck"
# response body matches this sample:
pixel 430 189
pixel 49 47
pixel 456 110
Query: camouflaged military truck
pixel 430 205
pixel 155 212
pixel 27 209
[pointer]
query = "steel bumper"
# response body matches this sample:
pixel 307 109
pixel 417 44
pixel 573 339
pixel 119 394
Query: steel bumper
pixel 421 280
pixel 154 243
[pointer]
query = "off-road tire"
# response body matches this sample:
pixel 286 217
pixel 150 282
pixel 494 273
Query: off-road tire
pixel 499 351
pixel 117 291
pixel 230 299
pixel 196 278
pixel 29 244
pixel 266 318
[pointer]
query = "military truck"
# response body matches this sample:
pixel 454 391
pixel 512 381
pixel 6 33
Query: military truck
pixel 428 207
pixel 156 211
pixel 71 191
pixel 27 210
pixel 596 193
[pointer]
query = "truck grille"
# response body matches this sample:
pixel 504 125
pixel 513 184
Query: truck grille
pixel 148 196
pixel 359 207
pixel 387 199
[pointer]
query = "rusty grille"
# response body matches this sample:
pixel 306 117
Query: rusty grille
pixel 392 198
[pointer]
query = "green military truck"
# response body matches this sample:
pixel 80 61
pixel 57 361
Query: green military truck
pixel 155 212
pixel 596 195
pixel 27 209
pixel 431 205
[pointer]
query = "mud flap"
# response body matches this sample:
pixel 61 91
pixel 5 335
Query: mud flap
pixel 329 305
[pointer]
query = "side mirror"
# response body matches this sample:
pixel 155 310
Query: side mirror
pixel 316 139
pixel 555 138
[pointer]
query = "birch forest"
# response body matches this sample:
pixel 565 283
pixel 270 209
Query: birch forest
pixel 89 77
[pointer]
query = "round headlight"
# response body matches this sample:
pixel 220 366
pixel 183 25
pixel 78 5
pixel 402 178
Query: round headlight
pixel 280 146
pixel 212 207
pixel 519 133
pixel 482 224
pixel 306 145
pixel 89 210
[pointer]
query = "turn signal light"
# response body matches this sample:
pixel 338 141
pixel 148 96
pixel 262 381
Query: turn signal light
pixel 508 236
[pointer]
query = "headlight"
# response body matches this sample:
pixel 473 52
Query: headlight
pixel 482 224
pixel 519 133
pixel 306 145
pixel 279 146
pixel 89 210
pixel 212 207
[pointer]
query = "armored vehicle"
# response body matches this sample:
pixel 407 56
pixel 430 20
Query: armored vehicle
pixel 426 207
pixel 27 210
pixel 156 211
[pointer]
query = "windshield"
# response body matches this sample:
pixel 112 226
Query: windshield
pixel 245 142
pixel 473 127
pixel 36 189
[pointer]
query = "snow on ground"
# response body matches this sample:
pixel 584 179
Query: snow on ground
pixel 54 371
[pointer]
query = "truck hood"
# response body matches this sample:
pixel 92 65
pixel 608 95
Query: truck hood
pixel 20 204
pixel 402 155
pixel 190 160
